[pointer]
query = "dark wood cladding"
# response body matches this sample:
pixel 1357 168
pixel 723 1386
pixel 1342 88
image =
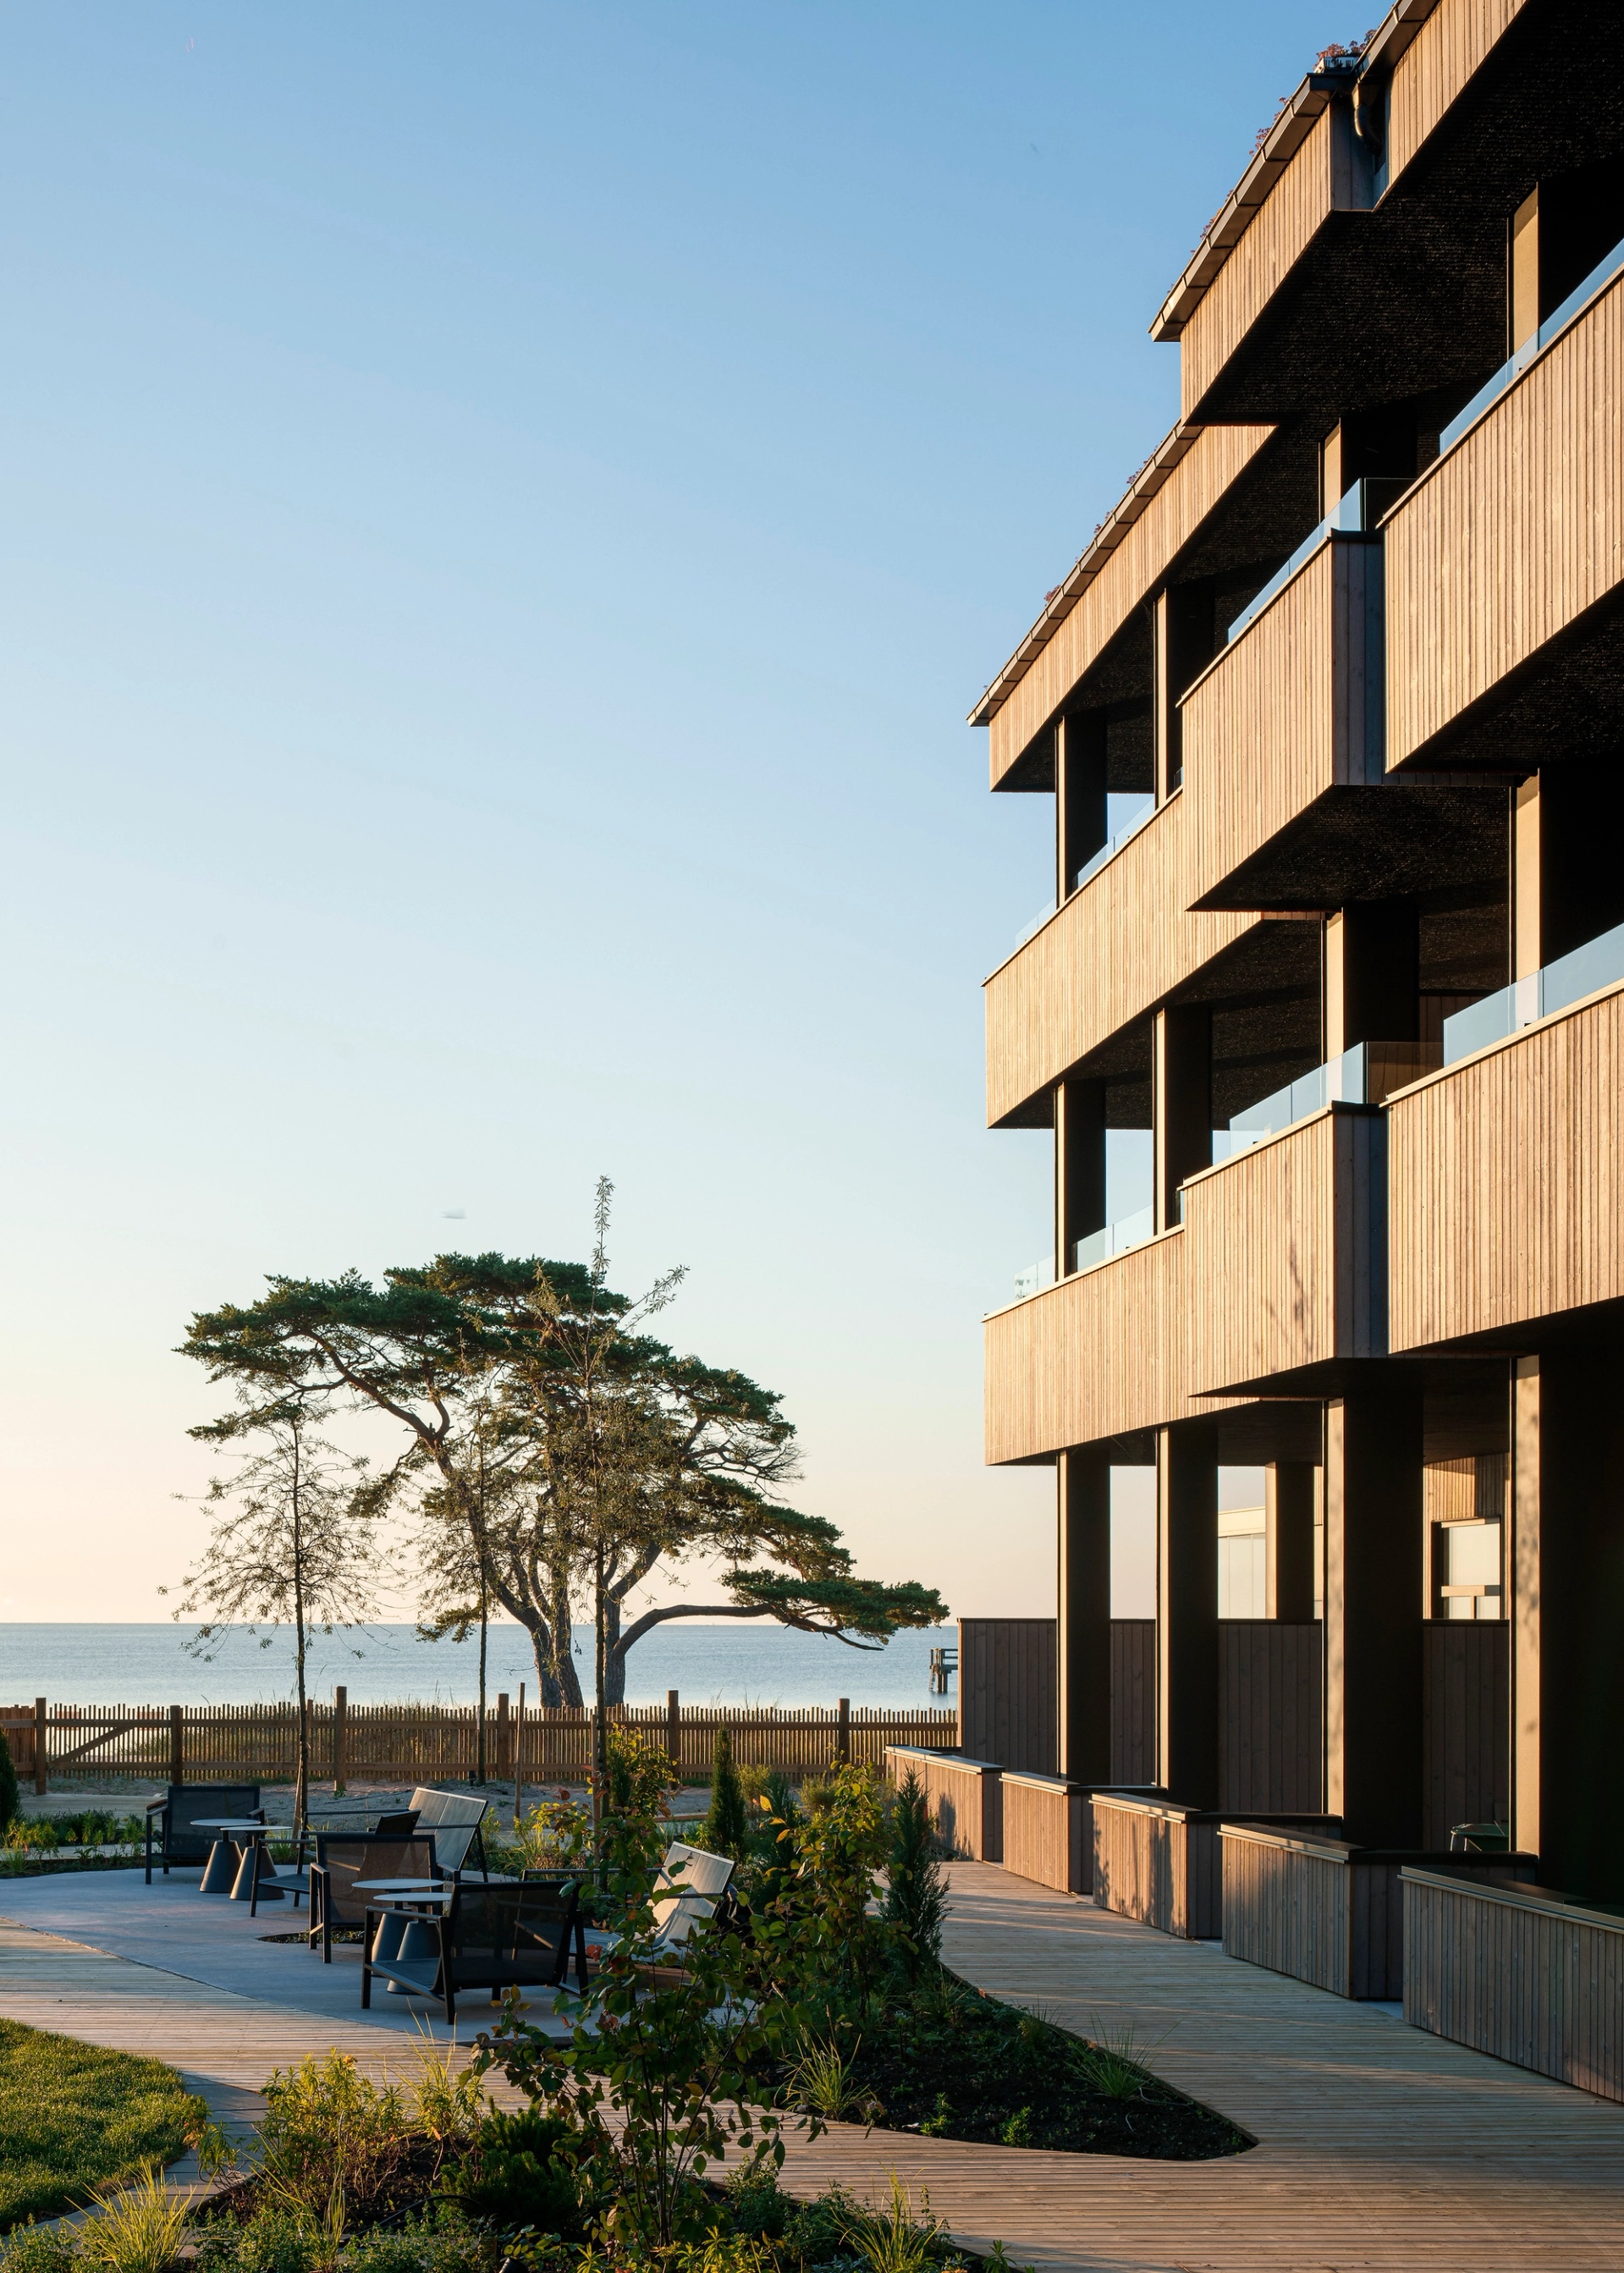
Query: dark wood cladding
pixel 1467 1718
pixel 1519 1974
pixel 1326 1912
pixel 1270 1686
pixel 1133 1700
pixel 1506 1181
pixel 965 1796
pixel 1008 1695
pixel 1043 1819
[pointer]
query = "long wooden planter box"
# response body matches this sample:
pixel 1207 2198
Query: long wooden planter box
pixel 1159 1862
pixel 1518 1972
pixel 1326 1912
pixel 965 1796
pixel 1049 1829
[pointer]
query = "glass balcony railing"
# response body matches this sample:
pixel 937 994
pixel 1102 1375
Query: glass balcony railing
pixel 1096 1247
pixel 1354 514
pixel 1112 845
pixel 1365 1074
pixel 1577 301
pixel 1598 964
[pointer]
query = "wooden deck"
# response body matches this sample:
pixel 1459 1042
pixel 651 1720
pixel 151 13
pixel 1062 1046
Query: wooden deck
pixel 1379 2147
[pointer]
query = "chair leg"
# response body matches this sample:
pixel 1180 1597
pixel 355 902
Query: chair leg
pixel 367 1981
pixel 253 1881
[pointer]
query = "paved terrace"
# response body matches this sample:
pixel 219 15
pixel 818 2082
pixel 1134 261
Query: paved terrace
pixel 1379 2147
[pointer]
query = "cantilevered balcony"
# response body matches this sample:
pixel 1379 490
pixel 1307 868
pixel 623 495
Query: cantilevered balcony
pixel 1506 1170
pixel 1505 563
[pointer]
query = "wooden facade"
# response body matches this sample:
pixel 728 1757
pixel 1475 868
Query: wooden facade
pixel 1008 1701
pixel 1409 743
pixel 1326 1912
pixel 1506 1181
pixel 1511 536
pixel 1466 1940
pixel 1044 1820
pixel 965 1796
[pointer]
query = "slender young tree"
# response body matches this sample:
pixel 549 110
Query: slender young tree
pixel 294 1545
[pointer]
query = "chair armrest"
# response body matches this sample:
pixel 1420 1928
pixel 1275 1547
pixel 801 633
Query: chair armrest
pixel 156 1806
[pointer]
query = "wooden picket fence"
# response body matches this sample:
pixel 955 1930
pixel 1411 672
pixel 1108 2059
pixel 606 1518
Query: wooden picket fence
pixel 432 1743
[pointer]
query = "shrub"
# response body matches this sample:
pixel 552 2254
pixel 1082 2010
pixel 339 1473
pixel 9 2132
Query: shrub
pixel 640 1773
pixel 523 2172
pixel 37 2249
pixel 726 1826
pixel 916 1900
pixel 136 2230
pixel 327 2130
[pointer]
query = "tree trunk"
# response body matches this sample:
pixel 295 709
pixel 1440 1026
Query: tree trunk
pixel 614 1656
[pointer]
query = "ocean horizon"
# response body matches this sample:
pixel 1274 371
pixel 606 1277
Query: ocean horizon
pixel 86 1663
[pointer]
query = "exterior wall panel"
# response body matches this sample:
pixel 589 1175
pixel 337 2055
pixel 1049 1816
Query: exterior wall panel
pixel 1430 74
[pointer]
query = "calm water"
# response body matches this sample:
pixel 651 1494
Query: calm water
pixel 385 1664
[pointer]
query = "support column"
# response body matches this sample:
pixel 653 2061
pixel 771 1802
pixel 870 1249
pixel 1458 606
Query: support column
pixel 1372 973
pixel 1080 794
pixel 1079 1166
pixel 1372 1613
pixel 1187 1739
pixel 1181 1089
pixel 1084 1597
pixel 1568 1565
pixel 1527 879
pixel 1289 1540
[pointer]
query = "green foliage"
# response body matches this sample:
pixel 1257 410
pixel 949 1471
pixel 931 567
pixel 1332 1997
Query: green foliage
pixel 553 1835
pixel 1115 2063
pixel 330 2130
pixel 11 1804
pixel 916 1894
pixel 523 2171
pixel 74 2116
pixel 640 1775
pixel 137 2228
pixel 726 1826
pixel 37 2249
pixel 839 1850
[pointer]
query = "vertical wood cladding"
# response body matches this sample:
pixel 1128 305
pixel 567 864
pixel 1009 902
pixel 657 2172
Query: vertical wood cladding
pixel 1291 709
pixel 1512 535
pixel 1219 456
pixel 1269 1691
pixel 1117 947
pixel 1466 1720
pixel 1098 1354
pixel 1507 1190
pixel 1437 64
pixel 1008 1708
pixel 1267 248
pixel 1133 1701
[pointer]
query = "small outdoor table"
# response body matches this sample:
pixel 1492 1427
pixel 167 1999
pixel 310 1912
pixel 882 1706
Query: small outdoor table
pixel 221 1873
pixel 400 1933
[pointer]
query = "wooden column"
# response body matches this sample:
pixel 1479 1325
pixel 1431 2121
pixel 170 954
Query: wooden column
pixel 1372 971
pixel 1187 1739
pixel 1181 1103
pixel 1374 1761
pixel 177 1746
pixel 1084 1594
pixel 1079 1166
pixel 504 1738
pixel 1523 1609
pixel 673 1726
pixel 1569 1576
pixel 1523 274
pixel 1183 633
pixel 1527 879
pixel 1080 794
pixel 1289 1540
pixel 340 1701
pixel 39 1746
pixel 842 1727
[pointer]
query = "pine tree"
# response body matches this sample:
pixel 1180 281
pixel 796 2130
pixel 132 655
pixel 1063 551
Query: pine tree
pixel 916 1901
pixel 726 1825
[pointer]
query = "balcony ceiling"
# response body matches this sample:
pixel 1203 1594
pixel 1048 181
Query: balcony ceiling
pixel 1386 842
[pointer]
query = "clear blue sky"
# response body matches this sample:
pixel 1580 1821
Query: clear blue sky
pixel 505 511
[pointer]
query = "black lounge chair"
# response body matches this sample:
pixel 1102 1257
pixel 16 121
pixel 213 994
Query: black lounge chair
pixel 270 1883
pixel 343 1857
pixel 175 1817
pixel 506 1936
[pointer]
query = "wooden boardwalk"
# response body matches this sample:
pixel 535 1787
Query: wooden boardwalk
pixel 1379 2147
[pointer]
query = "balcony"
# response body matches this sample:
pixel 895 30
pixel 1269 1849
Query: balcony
pixel 1512 536
pixel 1289 712
pixel 1285 1245
pixel 1099 1353
pixel 1506 1174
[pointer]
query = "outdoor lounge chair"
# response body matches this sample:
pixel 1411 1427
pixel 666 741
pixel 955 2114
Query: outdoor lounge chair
pixel 175 1816
pixel 702 1880
pixel 456 1819
pixel 344 1856
pixel 513 1935
pixel 268 1881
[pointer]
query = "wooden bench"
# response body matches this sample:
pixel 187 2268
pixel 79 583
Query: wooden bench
pixel 1326 1912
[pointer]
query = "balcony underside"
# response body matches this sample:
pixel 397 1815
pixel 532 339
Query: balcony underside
pixel 1566 701
pixel 1356 843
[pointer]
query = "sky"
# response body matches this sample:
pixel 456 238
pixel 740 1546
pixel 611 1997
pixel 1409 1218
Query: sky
pixel 505 511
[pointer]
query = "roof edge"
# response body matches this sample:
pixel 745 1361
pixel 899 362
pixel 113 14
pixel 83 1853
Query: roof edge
pixel 1154 474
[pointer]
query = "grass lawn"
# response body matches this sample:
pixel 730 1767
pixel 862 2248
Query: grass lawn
pixel 74 2115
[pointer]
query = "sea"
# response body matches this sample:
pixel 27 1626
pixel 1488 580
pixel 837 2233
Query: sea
pixel 720 1663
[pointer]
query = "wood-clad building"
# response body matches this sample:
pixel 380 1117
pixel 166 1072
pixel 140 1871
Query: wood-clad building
pixel 1331 714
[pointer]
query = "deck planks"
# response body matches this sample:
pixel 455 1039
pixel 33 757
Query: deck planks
pixel 1380 2147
